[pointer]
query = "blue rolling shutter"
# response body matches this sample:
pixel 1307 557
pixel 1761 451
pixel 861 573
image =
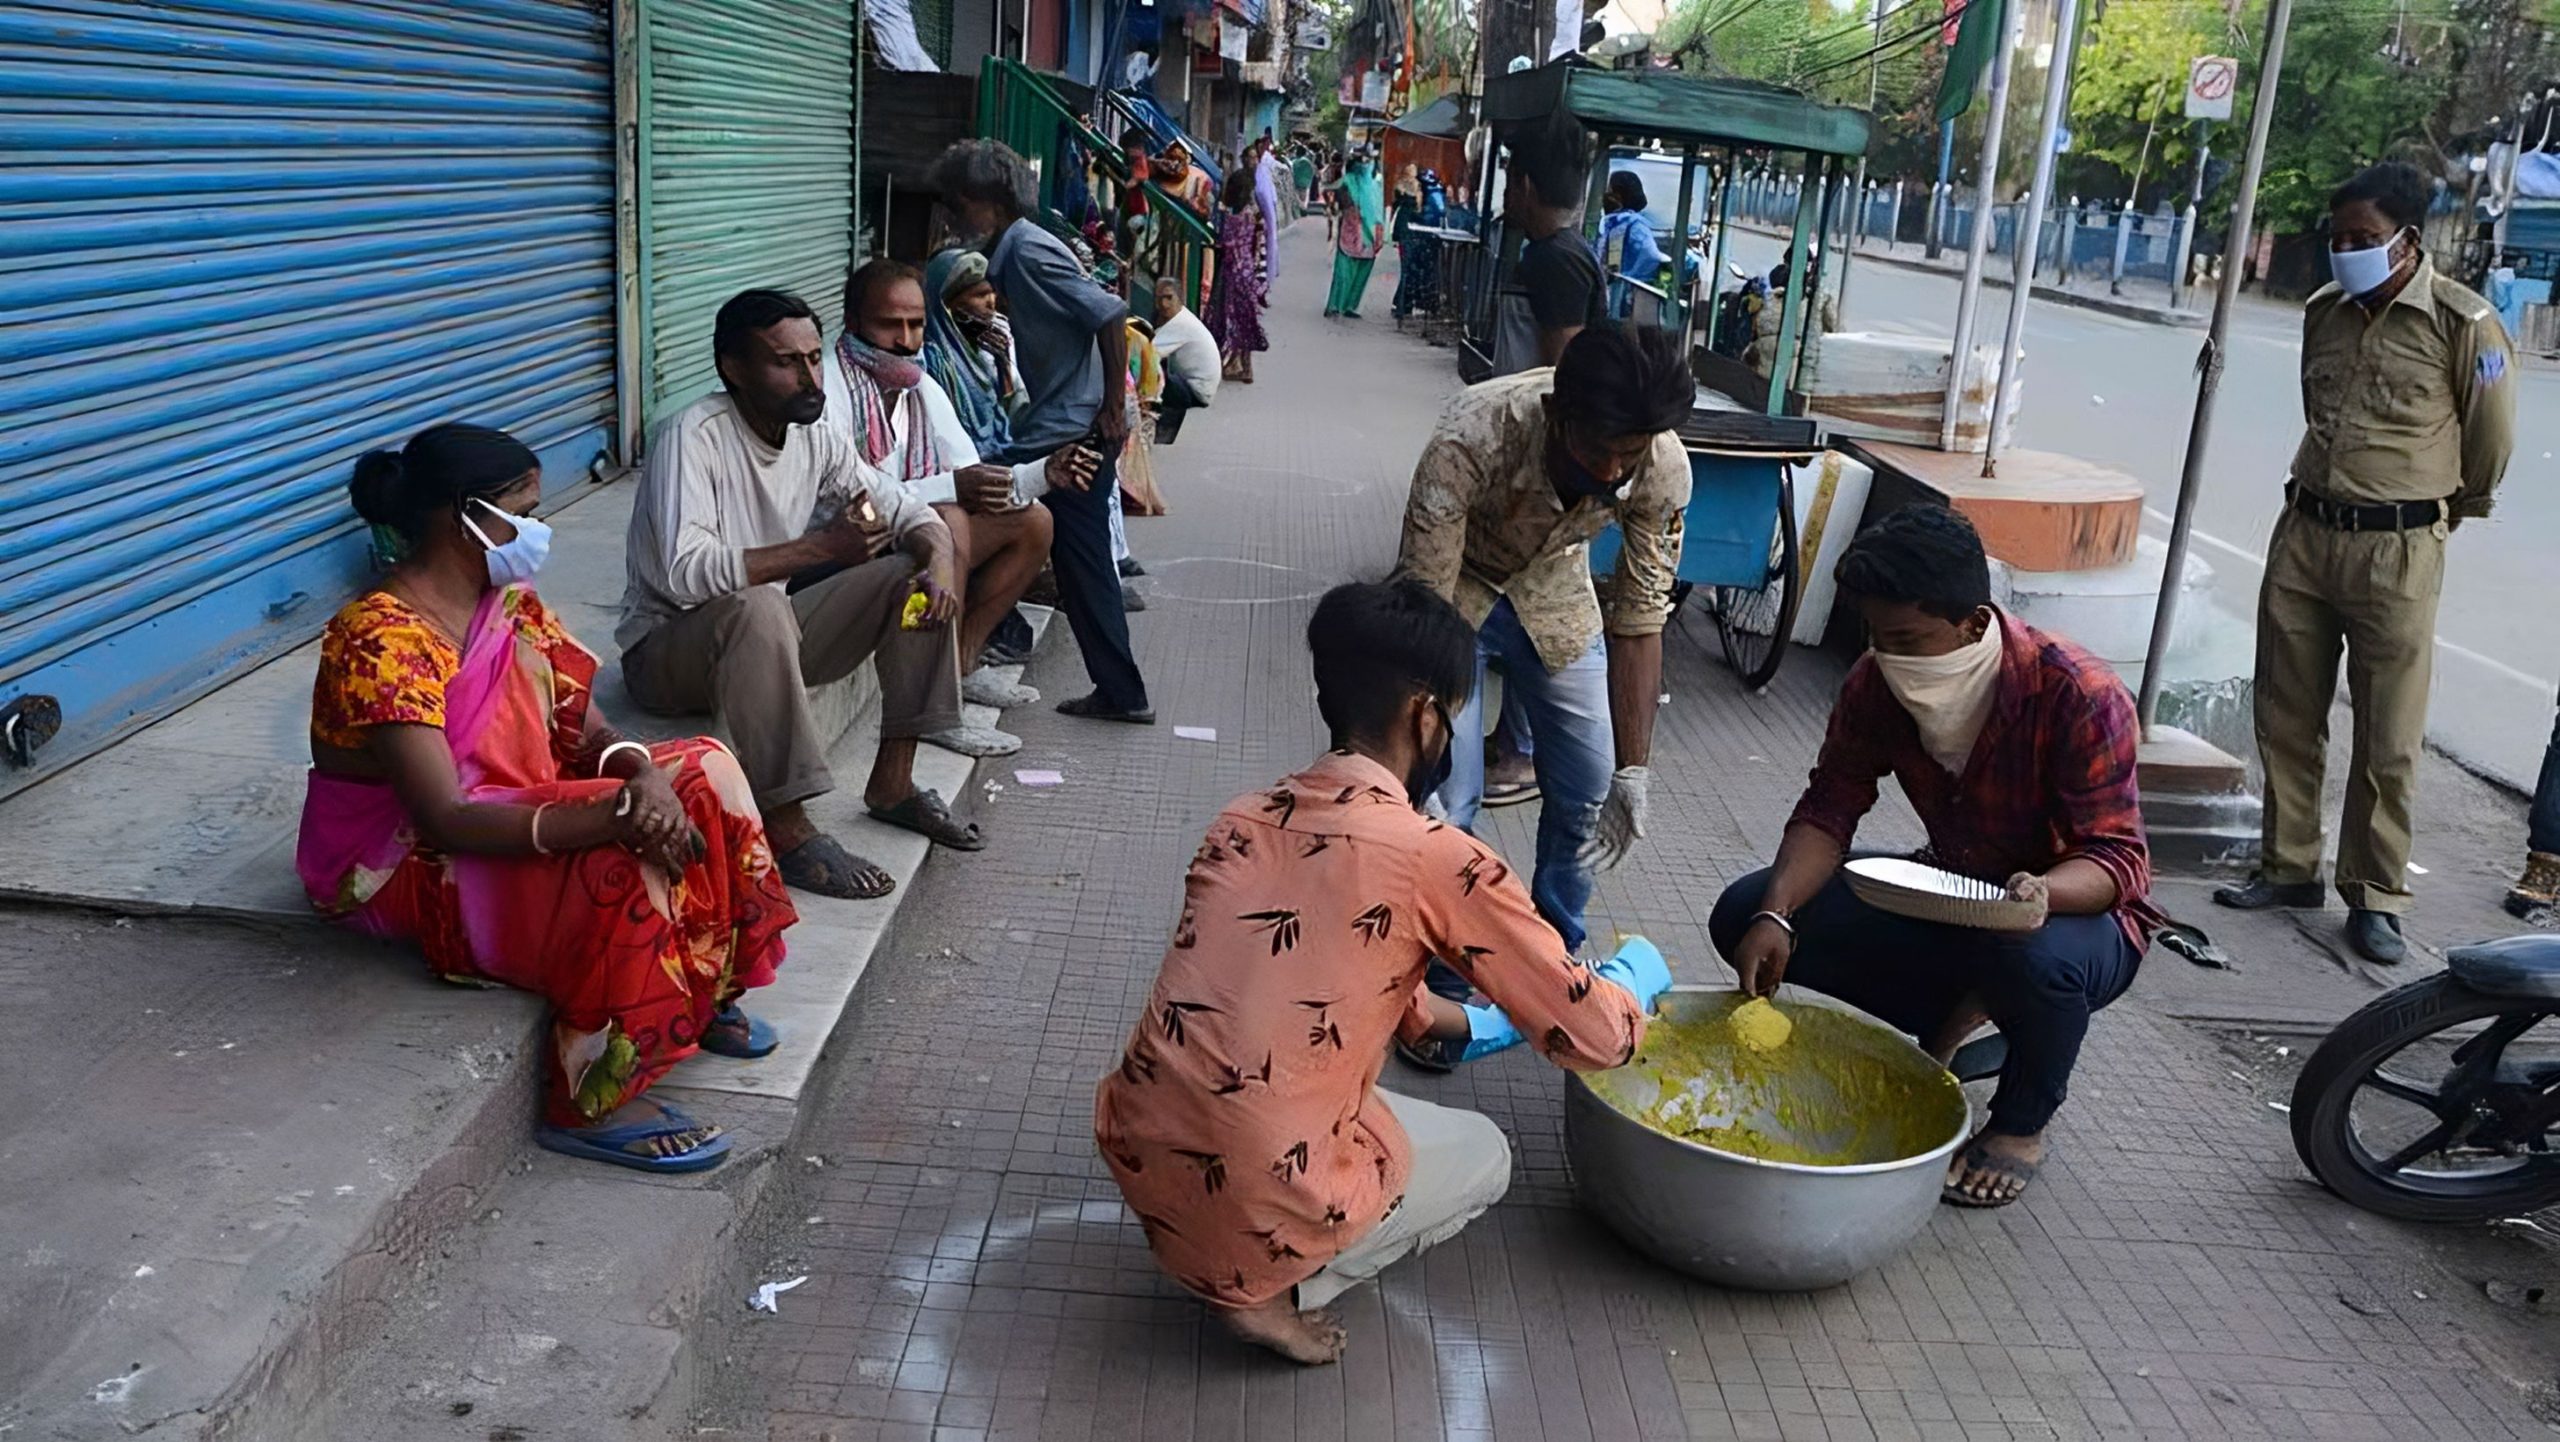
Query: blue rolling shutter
pixel 242 242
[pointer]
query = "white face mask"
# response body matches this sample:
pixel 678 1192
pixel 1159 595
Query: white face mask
pixel 1948 696
pixel 514 563
pixel 2361 272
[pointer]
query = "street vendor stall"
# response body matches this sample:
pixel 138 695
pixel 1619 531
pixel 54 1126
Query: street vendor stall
pixel 1742 446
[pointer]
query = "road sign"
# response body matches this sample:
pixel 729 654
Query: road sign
pixel 2210 81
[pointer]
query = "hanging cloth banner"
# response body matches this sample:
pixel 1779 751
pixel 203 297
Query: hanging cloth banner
pixel 1982 28
pixel 1232 39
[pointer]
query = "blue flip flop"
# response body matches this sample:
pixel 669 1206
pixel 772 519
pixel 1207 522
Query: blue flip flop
pixel 612 1144
pixel 719 1038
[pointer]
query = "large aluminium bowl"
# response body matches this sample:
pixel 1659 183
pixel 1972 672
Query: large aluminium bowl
pixel 1741 1221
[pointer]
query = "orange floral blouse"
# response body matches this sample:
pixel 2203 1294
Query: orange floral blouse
pixel 383 662
pixel 1243 1124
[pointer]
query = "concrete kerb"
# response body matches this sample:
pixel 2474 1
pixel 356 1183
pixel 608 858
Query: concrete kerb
pixel 318 1329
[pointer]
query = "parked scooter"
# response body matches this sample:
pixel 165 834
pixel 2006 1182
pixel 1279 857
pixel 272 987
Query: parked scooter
pixel 2439 1101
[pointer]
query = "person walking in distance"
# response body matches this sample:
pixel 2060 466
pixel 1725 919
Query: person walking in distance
pixel 2409 414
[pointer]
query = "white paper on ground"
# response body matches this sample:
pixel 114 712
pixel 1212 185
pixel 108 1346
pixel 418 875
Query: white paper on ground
pixel 1039 778
pixel 1196 733
pixel 763 1300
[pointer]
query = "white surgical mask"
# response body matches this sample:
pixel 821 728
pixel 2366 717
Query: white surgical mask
pixel 2361 272
pixel 514 563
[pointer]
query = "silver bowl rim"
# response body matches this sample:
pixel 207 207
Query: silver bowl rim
pixel 1793 996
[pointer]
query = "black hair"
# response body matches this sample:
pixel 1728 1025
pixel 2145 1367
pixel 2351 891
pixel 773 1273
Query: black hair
pixel 1375 643
pixel 1629 188
pixel 1238 194
pixel 1924 554
pixel 1619 380
pixel 2398 190
pixel 401 491
pixel 749 311
pixel 1553 157
pixel 869 277
pixel 987 173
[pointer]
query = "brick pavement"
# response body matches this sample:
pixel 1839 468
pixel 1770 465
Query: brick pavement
pixel 973 1274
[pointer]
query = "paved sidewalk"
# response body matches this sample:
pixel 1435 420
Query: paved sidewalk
pixel 974 1275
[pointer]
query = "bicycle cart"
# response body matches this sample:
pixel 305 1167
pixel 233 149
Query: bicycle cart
pixel 1740 543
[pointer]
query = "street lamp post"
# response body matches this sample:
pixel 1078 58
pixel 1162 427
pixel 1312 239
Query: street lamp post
pixel 1986 172
pixel 2022 272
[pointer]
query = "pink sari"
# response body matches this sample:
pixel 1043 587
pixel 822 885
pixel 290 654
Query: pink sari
pixel 633 960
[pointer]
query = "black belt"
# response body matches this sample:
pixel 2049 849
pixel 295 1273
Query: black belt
pixel 2386 516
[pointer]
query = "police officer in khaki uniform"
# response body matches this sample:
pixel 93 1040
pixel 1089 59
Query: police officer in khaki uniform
pixel 2410 412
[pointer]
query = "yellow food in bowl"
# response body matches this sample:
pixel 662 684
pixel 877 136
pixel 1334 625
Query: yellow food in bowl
pixel 1760 1026
pixel 1839 1092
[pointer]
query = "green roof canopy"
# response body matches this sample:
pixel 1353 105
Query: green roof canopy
pixel 1675 105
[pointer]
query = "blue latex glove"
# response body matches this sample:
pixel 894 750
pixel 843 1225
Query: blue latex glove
pixel 1488 1031
pixel 1639 968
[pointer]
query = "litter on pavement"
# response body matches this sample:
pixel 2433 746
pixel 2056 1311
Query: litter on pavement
pixel 765 1298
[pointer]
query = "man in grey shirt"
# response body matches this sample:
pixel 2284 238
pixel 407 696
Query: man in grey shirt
pixel 761 563
pixel 1071 339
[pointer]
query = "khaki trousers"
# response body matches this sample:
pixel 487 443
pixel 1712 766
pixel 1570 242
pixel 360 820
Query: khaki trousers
pixel 2374 594
pixel 751 656
pixel 1461 1166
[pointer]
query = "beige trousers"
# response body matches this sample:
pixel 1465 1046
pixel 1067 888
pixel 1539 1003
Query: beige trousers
pixel 751 656
pixel 2372 594
pixel 1461 1166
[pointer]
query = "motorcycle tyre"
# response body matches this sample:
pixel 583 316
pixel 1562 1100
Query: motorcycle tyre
pixel 2320 1102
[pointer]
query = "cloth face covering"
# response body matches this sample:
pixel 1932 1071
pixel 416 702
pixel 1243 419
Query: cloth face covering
pixel 2362 272
pixel 1949 696
pixel 514 563
pixel 872 373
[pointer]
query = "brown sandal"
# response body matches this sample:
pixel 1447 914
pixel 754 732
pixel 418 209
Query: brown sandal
pixel 822 865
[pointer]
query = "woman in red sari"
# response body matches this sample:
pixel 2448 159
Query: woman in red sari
pixel 466 796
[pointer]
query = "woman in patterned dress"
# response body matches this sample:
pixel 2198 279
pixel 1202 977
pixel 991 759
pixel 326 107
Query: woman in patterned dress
pixel 1235 313
pixel 466 795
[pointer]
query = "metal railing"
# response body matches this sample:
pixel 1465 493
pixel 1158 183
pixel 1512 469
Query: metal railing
pixel 1020 109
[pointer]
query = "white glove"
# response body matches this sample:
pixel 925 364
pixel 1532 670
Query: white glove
pixel 1621 819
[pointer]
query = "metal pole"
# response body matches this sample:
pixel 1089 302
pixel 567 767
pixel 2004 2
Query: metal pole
pixel 1986 171
pixel 1680 239
pixel 2022 273
pixel 2262 112
pixel 1858 187
pixel 1713 280
pixel 1938 192
pixel 1791 317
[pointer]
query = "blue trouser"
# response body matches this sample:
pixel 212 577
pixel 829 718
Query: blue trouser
pixel 2040 987
pixel 1089 587
pixel 2544 830
pixel 1568 711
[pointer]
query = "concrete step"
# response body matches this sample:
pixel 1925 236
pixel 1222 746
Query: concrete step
pixel 265 1172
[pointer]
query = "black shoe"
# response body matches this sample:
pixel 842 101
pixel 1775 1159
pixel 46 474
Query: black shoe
pixel 2258 894
pixel 1094 708
pixel 1429 1054
pixel 1129 567
pixel 1131 601
pixel 2376 936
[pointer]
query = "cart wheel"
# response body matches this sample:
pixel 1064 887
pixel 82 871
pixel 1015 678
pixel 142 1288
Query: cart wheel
pixel 1754 622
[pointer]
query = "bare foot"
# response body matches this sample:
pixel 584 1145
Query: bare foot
pixel 1313 1338
pixel 1993 1170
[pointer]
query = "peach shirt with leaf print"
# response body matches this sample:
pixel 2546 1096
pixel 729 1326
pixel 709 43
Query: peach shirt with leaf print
pixel 1243 1124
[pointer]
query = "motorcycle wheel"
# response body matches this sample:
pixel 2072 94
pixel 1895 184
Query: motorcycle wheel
pixel 2470 1184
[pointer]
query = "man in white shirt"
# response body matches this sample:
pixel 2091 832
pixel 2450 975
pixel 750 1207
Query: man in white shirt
pixel 1189 355
pixel 764 559
pixel 903 428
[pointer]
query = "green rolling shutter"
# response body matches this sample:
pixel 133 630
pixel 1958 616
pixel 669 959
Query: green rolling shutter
pixel 746 165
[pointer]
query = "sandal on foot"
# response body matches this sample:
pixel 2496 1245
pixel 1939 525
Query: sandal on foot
pixel 925 814
pixel 1982 1163
pixel 975 742
pixel 822 865
pixel 985 688
pixel 669 1143
pixel 1980 1059
pixel 1094 708
pixel 733 1033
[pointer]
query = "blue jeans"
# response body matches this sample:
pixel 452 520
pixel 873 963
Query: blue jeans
pixel 1568 711
pixel 2545 826
pixel 2040 987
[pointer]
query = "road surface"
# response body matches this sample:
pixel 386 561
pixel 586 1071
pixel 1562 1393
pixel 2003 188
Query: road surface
pixel 2121 392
